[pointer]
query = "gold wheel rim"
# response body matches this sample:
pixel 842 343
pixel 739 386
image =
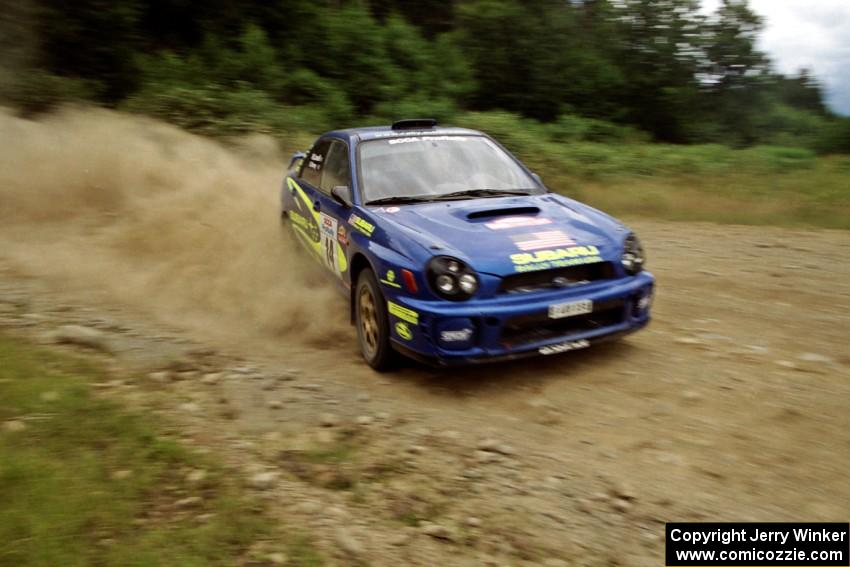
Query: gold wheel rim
pixel 368 322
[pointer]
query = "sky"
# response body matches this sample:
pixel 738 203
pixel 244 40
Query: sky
pixel 808 33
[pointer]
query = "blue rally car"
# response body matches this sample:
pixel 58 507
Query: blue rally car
pixel 452 252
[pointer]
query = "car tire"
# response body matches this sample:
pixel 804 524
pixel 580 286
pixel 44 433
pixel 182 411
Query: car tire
pixel 372 322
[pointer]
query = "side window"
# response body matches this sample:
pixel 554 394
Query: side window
pixel 336 171
pixel 314 163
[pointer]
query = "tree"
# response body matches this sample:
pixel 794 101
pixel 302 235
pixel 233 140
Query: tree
pixel 93 39
pixel 659 53
pixel 736 72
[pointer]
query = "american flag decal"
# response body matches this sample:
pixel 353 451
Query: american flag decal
pixel 545 239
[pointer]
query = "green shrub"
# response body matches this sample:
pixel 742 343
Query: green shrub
pixel 306 87
pixel 443 109
pixel 572 128
pixel 209 109
pixel 39 91
pixel 835 137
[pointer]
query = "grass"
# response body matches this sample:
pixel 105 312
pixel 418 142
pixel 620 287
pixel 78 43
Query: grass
pixel 86 482
pixel 819 197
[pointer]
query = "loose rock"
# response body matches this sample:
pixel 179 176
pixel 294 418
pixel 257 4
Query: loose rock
pixel 623 490
pixel 486 457
pixel 14 425
pixel 364 420
pixel 189 502
pixel 692 396
pixel 438 531
pixel 817 358
pixel 348 543
pixel 277 558
pixel 211 378
pixel 160 376
pixel 329 420
pixel 81 336
pixel 196 476
pixel 263 480
pixel 622 505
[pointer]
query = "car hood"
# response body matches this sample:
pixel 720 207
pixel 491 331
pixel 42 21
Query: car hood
pixel 495 235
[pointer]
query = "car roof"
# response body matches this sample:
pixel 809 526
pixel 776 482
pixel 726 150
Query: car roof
pixel 366 133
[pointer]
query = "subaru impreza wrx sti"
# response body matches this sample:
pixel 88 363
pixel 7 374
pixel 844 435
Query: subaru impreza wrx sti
pixel 451 251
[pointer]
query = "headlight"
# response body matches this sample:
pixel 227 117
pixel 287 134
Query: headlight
pixel 633 255
pixel 451 279
pixel 468 284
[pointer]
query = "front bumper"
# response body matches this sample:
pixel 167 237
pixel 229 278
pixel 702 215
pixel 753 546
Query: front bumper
pixel 518 325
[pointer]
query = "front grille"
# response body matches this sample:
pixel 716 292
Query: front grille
pixel 526 329
pixel 557 278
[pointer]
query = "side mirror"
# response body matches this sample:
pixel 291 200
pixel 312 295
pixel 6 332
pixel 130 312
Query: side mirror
pixel 342 195
pixel 537 178
pixel 296 157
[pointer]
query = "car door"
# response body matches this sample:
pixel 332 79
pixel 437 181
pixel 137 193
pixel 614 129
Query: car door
pixel 325 167
pixel 304 189
pixel 333 216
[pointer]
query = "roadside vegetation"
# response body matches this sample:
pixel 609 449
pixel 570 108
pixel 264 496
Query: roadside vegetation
pixel 766 185
pixel 85 482
pixel 640 107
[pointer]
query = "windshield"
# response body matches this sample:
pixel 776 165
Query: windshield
pixel 425 167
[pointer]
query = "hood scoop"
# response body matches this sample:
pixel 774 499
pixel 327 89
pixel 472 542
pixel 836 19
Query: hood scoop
pixel 502 212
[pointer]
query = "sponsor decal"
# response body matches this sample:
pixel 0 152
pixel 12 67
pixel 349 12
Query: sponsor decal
pixel 564 347
pixel 458 336
pixel 544 239
pixel 408 133
pixel 555 258
pixel 403 313
pixel 361 224
pixel 307 224
pixel 409 139
pixel 403 331
pixel 328 225
pixel 342 235
pixel 516 222
pixel 299 220
pixel 315 162
pixel 333 255
pixel 390 279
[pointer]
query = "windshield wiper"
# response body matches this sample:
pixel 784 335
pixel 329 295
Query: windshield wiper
pixel 481 193
pixel 400 199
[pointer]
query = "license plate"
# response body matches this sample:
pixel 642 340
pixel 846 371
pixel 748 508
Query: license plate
pixel 570 309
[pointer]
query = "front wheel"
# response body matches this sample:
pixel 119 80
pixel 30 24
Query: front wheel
pixel 373 330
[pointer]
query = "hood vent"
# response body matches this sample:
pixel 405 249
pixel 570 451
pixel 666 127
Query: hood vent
pixel 489 213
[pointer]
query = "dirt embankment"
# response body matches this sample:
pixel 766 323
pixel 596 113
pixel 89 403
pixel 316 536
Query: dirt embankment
pixel 731 406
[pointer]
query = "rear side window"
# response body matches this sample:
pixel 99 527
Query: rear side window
pixel 311 170
pixel 336 170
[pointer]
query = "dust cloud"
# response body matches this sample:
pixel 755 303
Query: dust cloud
pixel 178 225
